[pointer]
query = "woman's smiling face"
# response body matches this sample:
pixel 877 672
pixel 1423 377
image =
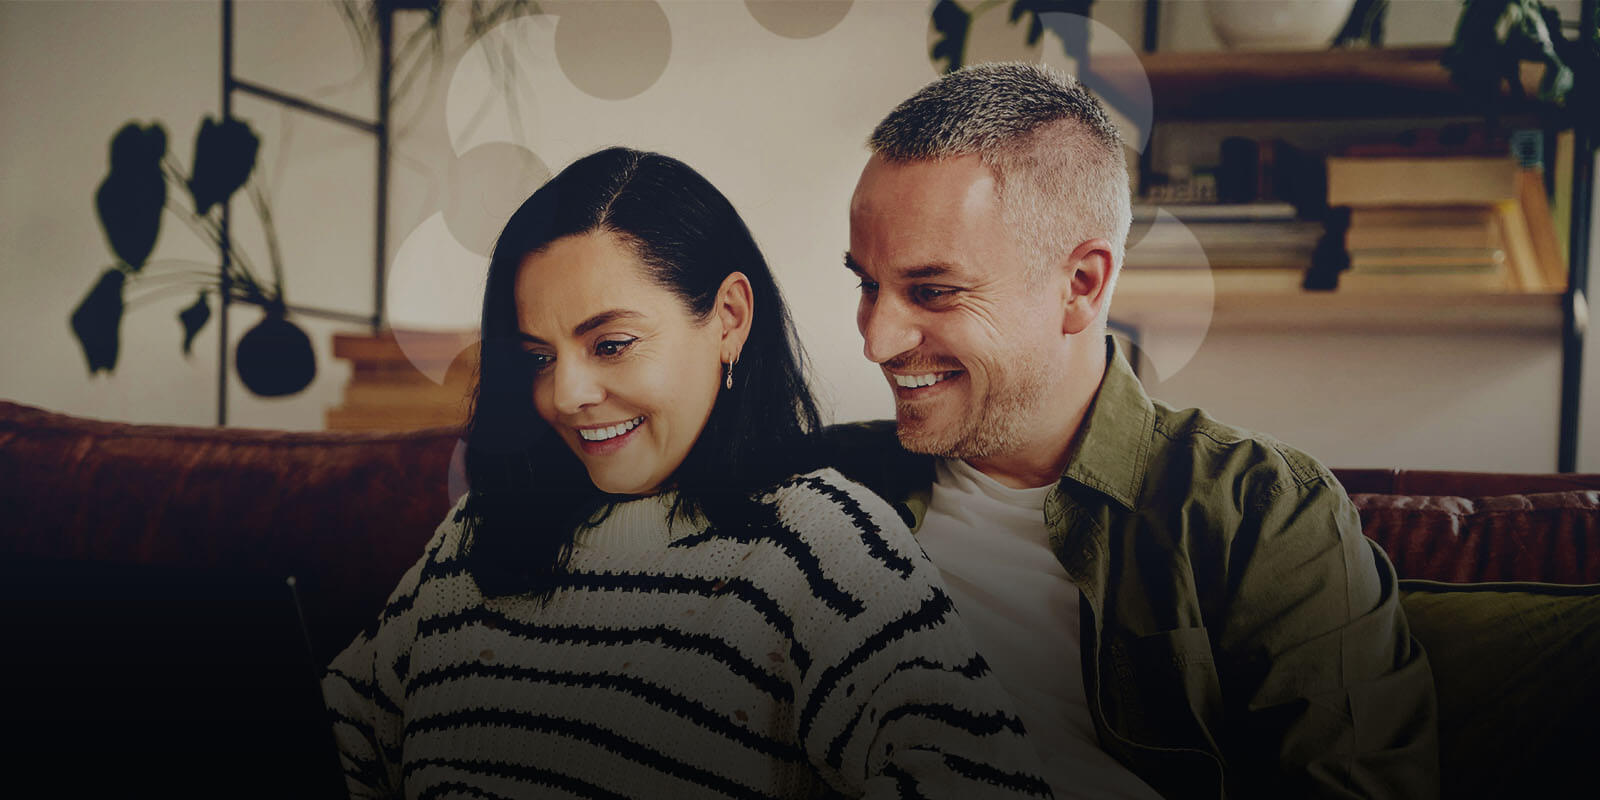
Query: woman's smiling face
pixel 621 370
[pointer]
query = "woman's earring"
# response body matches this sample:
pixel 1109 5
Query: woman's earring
pixel 727 382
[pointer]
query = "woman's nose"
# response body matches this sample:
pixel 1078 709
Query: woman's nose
pixel 576 387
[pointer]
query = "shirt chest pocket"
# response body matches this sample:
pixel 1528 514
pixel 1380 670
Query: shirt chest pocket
pixel 1164 687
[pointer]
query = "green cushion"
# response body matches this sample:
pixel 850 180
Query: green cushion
pixel 1515 668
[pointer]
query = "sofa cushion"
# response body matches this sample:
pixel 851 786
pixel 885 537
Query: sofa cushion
pixel 1513 666
pixel 1551 537
pixel 345 513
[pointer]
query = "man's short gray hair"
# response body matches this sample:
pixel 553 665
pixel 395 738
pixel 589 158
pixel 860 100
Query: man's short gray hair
pixel 1056 156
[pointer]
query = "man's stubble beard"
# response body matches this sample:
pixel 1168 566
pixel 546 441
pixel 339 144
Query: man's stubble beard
pixel 1000 425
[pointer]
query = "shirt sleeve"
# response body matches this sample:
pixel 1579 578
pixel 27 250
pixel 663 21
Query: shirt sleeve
pixel 364 685
pixel 1331 696
pixel 896 701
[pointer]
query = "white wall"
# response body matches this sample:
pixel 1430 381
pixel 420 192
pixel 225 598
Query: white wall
pixel 1458 401
pixel 776 121
pixel 71 74
pixel 1589 419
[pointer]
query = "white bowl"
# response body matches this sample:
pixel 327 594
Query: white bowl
pixel 1277 24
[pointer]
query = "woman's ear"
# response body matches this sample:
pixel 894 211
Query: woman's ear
pixel 1085 292
pixel 734 309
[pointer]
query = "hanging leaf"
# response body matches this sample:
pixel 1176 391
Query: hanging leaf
pixel 1493 37
pixel 98 319
pixel 1365 23
pixel 1582 55
pixel 952 23
pixel 1534 42
pixel 1067 19
pixel 275 358
pixel 131 197
pixel 224 156
pixel 390 6
pixel 1032 8
pixel 193 319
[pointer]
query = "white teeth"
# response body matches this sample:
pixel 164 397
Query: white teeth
pixel 917 381
pixel 612 432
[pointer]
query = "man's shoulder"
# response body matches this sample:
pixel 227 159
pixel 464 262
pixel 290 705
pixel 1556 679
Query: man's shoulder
pixel 869 435
pixel 872 445
pixel 1227 458
pixel 870 454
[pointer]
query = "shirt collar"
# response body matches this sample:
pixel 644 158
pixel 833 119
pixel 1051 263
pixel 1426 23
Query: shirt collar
pixel 1112 448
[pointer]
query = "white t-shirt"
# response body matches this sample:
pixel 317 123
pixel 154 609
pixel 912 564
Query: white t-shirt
pixel 991 544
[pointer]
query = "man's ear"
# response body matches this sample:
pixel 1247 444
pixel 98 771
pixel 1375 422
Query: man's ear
pixel 1088 276
pixel 734 309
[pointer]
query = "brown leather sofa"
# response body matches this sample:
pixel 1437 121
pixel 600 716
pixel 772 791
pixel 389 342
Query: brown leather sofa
pixel 1500 570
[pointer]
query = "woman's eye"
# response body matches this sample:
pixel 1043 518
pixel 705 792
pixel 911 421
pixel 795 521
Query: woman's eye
pixel 537 361
pixel 612 347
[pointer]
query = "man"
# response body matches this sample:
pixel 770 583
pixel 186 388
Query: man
pixel 1178 607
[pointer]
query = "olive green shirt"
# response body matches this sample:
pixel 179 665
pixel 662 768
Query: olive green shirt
pixel 1248 640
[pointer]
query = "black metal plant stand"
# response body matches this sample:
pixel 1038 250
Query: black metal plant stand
pixel 1575 311
pixel 379 129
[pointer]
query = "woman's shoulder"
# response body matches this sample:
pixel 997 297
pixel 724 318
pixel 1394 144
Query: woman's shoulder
pixel 825 502
pixel 827 487
pixel 443 555
pixel 448 538
pixel 856 555
pixel 418 586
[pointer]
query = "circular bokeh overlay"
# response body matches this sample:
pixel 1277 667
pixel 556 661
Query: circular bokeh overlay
pixel 798 19
pixel 485 185
pixel 614 49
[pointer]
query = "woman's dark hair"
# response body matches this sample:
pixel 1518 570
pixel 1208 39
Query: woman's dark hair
pixel 530 496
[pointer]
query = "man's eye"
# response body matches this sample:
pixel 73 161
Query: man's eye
pixel 933 295
pixel 867 287
pixel 612 347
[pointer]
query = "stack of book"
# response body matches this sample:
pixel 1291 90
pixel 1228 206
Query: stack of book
pixel 1445 224
pixel 404 380
pixel 1239 248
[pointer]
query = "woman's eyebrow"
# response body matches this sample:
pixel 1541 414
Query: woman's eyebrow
pixel 604 318
pixel 851 264
pixel 587 325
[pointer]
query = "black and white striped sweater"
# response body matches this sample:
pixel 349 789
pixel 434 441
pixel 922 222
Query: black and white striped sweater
pixel 819 657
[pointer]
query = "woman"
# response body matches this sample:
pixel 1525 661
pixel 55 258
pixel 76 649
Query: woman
pixel 638 598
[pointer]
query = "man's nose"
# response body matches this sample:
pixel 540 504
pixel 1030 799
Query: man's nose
pixel 576 386
pixel 887 329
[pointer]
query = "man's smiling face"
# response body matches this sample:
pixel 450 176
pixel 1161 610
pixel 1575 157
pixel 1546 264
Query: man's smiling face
pixel 963 330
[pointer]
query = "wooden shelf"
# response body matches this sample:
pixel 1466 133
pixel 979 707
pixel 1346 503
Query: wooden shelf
pixel 1315 84
pixel 1349 312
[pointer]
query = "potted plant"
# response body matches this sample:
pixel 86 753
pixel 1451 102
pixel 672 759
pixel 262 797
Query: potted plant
pixel 1494 37
pixel 274 357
